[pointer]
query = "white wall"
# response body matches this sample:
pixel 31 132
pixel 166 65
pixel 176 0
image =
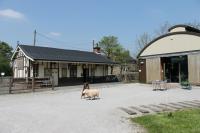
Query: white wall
pixel 41 70
pixel 60 70
pixel 109 70
pixel 79 70
pixel 20 73
pixel 99 71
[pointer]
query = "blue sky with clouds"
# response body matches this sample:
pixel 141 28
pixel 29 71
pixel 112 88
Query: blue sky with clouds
pixel 73 24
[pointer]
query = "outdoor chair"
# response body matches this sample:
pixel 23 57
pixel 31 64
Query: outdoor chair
pixel 159 85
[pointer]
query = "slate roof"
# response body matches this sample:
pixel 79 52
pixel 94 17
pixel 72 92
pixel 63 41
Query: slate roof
pixel 55 54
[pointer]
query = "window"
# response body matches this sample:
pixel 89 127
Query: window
pixel 73 71
pixel 47 72
pixel 64 72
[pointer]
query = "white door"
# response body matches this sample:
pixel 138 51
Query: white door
pixel 55 76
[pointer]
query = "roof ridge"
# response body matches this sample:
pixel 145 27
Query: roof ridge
pixel 56 48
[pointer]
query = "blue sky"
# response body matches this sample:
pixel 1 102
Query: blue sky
pixel 75 23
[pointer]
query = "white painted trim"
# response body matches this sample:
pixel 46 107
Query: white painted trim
pixel 14 53
pixel 22 52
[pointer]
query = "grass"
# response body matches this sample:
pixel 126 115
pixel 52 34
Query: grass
pixel 185 121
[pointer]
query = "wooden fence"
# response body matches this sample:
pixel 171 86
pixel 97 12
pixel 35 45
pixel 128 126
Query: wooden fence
pixel 129 77
pixel 9 85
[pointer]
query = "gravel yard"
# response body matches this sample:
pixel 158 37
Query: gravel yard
pixel 62 111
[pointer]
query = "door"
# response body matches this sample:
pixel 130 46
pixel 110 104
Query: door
pixel 85 74
pixel 142 71
pixel 55 76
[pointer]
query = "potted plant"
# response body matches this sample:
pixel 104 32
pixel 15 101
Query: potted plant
pixel 186 85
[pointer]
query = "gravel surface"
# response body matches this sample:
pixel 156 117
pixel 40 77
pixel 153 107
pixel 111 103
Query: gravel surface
pixel 62 111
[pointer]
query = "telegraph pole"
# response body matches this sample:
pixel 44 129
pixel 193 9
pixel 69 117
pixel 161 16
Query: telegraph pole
pixel 34 40
pixel 33 65
pixel 93 43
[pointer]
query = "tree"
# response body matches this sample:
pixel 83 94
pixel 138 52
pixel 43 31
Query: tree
pixel 109 44
pixel 113 49
pixel 141 42
pixel 122 55
pixel 194 24
pixel 163 29
pixel 5 55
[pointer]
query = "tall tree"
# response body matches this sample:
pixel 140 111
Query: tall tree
pixel 113 49
pixel 141 42
pixel 5 55
pixel 194 24
pixel 122 55
pixel 163 29
pixel 108 44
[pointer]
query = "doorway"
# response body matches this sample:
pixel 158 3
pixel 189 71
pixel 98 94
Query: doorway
pixel 175 69
pixel 85 74
pixel 142 71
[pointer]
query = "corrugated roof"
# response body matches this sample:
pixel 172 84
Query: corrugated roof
pixel 55 54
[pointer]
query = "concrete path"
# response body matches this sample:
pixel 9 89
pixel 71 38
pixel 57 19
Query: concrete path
pixel 62 111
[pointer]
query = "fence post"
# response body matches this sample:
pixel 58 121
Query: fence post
pixel 10 85
pixel 52 82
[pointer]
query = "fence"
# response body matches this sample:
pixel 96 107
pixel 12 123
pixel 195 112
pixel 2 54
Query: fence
pixel 5 85
pixel 129 77
pixel 9 85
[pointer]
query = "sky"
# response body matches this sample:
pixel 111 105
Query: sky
pixel 73 24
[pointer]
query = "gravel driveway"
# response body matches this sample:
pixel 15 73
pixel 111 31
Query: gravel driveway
pixel 62 111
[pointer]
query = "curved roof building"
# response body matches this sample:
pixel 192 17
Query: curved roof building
pixel 174 56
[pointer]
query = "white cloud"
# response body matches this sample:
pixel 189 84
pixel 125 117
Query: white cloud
pixel 55 34
pixel 9 13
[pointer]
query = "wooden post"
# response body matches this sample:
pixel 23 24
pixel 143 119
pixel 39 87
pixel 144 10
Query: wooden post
pixel 52 82
pixel 10 85
pixel 33 79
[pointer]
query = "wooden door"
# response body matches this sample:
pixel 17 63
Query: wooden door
pixel 142 71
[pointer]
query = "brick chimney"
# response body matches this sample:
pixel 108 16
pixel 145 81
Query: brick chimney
pixel 96 49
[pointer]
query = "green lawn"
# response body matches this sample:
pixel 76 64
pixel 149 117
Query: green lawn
pixel 187 121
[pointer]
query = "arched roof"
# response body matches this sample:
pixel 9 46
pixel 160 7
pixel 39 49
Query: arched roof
pixel 187 28
pixel 187 36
